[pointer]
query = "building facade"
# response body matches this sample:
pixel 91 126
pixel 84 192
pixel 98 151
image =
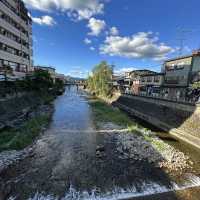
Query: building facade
pixel 195 71
pixel 135 77
pixel 180 73
pixel 15 37
pixel 50 70
pixel 151 84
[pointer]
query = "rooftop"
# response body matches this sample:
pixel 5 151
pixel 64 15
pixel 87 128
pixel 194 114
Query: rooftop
pixel 155 74
pixel 44 67
pixel 194 53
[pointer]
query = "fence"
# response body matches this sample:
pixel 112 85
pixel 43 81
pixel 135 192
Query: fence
pixel 8 86
pixel 186 100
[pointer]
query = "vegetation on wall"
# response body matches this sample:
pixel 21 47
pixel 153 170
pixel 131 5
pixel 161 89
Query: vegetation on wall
pixel 19 138
pixel 196 85
pixel 40 82
pixel 100 80
pixel 31 111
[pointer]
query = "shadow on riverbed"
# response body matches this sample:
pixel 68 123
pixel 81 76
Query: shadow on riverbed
pixel 72 161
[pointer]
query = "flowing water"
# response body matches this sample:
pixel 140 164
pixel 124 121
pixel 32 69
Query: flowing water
pixel 64 164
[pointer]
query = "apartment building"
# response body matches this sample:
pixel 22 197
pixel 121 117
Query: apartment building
pixel 179 74
pixel 15 38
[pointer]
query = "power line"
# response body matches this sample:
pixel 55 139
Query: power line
pixel 182 37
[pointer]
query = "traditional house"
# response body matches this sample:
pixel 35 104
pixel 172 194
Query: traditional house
pixel 118 82
pixel 151 84
pixel 135 77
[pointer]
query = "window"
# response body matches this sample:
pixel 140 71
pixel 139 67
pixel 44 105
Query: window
pixel 13 51
pixel 13 37
pixel 180 65
pixel 156 79
pixel 149 79
pixel 13 23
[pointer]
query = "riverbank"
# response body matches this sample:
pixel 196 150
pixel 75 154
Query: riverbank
pixel 22 119
pixel 137 142
pixel 74 160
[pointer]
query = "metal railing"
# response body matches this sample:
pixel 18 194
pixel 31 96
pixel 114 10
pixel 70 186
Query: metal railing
pixel 184 100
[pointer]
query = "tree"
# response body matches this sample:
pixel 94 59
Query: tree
pixel 100 80
pixel 196 85
pixel 5 71
pixel 40 81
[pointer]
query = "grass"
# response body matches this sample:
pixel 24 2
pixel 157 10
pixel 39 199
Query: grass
pixel 105 113
pixel 17 139
pixel 157 144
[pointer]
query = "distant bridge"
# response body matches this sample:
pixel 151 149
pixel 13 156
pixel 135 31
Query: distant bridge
pixel 76 83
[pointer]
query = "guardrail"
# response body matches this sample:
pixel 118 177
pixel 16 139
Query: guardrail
pixel 181 101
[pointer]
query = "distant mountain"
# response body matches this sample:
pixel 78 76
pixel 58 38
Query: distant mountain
pixel 76 78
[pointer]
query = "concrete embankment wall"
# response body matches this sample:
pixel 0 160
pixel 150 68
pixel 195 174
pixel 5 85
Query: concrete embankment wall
pixel 180 119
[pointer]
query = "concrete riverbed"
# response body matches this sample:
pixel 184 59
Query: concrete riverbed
pixel 73 160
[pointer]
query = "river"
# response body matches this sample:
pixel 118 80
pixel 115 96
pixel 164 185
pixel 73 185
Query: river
pixel 64 164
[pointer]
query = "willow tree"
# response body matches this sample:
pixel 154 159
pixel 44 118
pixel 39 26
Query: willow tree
pixel 100 80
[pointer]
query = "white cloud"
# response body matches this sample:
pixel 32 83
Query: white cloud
pixel 123 70
pixel 87 41
pixel 44 20
pixel 78 72
pixel 114 31
pixel 96 26
pixel 92 48
pixel 140 45
pixel 78 9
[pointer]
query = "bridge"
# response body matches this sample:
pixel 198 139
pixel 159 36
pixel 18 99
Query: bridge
pixel 77 83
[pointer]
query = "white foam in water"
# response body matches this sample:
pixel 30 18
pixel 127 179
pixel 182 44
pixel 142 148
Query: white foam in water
pixel 119 193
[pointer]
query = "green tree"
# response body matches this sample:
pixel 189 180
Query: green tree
pixel 100 80
pixel 41 80
pixel 196 85
pixel 6 70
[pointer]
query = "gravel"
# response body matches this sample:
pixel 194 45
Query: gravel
pixel 131 146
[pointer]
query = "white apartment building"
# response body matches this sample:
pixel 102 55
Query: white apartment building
pixel 15 37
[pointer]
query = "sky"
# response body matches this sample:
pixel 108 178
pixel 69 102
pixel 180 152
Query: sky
pixel 75 35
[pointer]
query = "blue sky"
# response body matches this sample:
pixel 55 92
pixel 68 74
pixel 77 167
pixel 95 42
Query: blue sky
pixel 75 35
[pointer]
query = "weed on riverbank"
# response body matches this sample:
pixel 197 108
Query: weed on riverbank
pixel 16 139
pixel 105 113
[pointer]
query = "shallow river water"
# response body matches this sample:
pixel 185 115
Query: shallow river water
pixel 64 164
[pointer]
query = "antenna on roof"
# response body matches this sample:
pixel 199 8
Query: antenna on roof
pixel 182 37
